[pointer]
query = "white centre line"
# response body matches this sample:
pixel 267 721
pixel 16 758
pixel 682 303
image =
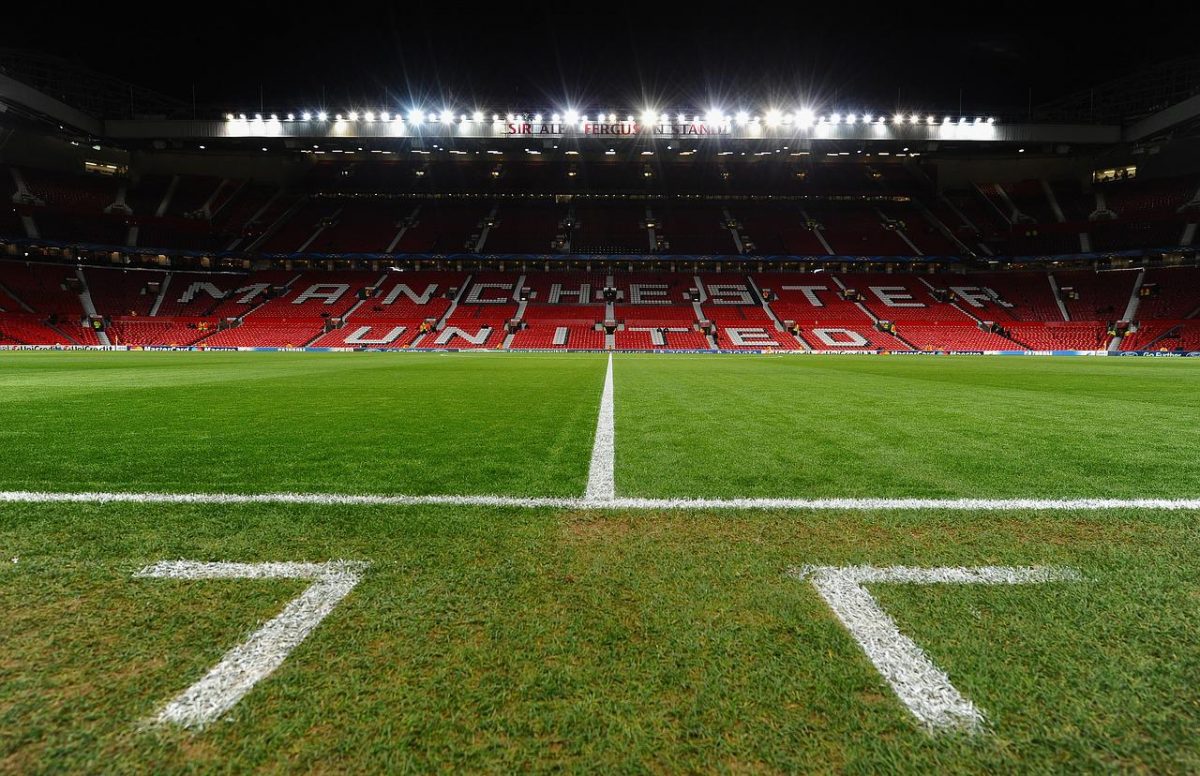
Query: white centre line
pixel 601 485
pixel 550 502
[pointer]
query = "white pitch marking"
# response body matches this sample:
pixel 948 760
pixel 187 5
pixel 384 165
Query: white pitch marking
pixel 550 502
pixel 923 687
pixel 601 485
pixel 266 648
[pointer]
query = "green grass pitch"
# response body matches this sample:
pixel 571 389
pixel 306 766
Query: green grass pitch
pixel 505 638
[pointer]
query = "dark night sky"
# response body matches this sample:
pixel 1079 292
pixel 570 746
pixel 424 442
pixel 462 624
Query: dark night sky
pixel 615 54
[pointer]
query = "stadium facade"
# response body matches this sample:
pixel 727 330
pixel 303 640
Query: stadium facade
pixel 786 228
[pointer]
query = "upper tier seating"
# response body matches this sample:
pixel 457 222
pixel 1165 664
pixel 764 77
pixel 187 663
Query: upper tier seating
pixel 609 227
pixel 694 228
pixel 1170 293
pixel 853 229
pixel 361 226
pixel 1095 296
pixel 522 226
pixel 119 292
pixel 778 228
pixel 443 226
pixel 42 287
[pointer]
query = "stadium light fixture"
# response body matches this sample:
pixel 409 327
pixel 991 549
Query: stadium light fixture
pixel 510 117
pixel 897 119
pixel 477 115
pixel 836 118
pixel 851 118
pixel 868 118
pixel 681 118
pixel 742 117
pixel 537 117
pixel 930 119
pixel 463 119
pixel 414 116
pixel 612 117
pixel 241 117
pixel 962 120
pixel 947 120
pixel 572 116
pixel 258 117
pixel 991 120
pixel 913 119
pixel 433 117
pixel 649 116
pixel 229 117
pixel 583 118
pixel 978 120
pixel 352 116
pixel 773 117
pixel 555 118
pixel 322 116
pixel 369 116
pixel 664 119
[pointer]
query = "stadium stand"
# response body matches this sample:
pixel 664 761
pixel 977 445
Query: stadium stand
pixel 433 254
pixel 568 309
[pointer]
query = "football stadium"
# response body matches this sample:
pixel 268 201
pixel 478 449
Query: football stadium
pixel 782 430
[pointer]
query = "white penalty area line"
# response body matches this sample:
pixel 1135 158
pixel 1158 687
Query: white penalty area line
pixel 266 648
pixel 919 684
pixel 536 502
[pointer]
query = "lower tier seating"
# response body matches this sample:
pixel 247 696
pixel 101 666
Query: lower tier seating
pixel 1061 335
pixel 276 334
pixel 574 336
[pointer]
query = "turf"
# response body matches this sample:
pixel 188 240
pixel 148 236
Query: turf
pixel 501 640
pixel 523 424
pixel 504 639
pixel 243 422
pixel 972 427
